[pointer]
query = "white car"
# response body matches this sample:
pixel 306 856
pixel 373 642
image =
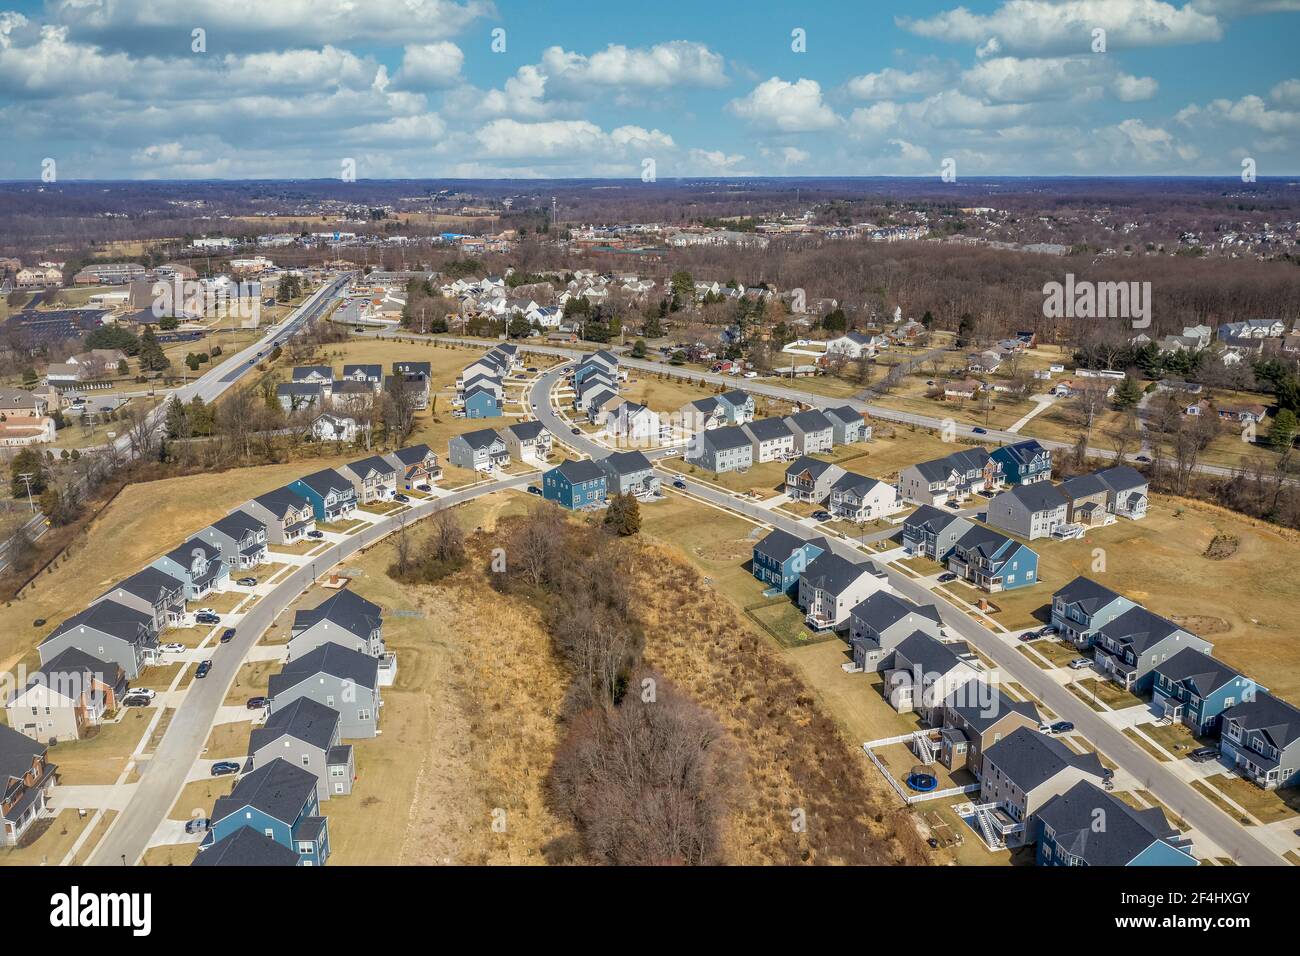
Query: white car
pixel 205 610
pixel 144 692
pixel 172 648
pixel 1079 663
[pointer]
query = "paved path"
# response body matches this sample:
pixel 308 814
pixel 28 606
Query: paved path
pixel 1041 404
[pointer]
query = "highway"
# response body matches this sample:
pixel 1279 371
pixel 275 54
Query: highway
pixel 1170 789
pixel 164 778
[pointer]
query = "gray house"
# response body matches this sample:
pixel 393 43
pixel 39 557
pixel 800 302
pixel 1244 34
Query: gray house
pixel 1082 606
pixel 109 631
pixel 373 478
pixel 721 449
pixel 156 593
pixel 1261 739
pixel 832 586
pixel 813 432
pixel 878 624
pixel 198 564
pixel 809 479
pixel 847 424
pixel 344 618
pixel 933 533
pixel 1030 511
pixel 528 440
pixel 480 450
pixel 241 538
pixel 1023 771
pixel 1129 646
pixel 1127 491
pixel 293 396
pixel 629 472
pixel 288 516
pixel 338 677
pixel 306 733
pixel 771 439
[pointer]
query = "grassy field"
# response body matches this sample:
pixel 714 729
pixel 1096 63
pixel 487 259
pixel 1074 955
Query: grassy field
pixel 229 741
pixel 662 395
pixel 48 842
pixel 100 757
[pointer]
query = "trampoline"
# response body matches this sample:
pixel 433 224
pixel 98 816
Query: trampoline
pixel 922 780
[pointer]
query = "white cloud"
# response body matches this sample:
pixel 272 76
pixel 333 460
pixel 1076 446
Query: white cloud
pixel 511 139
pixel 708 162
pixel 431 65
pixel 1012 79
pixel 780 106
pixel 953 109
pixel 875 119
pixel 1287 93
pixel 676 63
pixel 890 83
pixel 1130 89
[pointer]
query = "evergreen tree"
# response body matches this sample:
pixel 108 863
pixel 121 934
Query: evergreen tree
pixel 623 516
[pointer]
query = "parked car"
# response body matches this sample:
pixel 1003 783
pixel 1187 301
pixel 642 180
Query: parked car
pixel 1030 636
pixel 1079 663
pixel 197 825
pixel 247 582
pixel 1142 458
pixel 531 369
pixel 134 700
pixel 172 648
pixel 315 534
pixel 401 498
pixel 821 516
pixel 946 577
pixel 575 431
pixel 146 692
pixel 421 487
pixel 256 703
pixel 980 431
pixel 1205 754
pixel 207 619
pixel 205 610
pixel 204 667
pixel 39 622
pixel 1048 631
pixel 227 635
pixel 534 490
pixel 1061 727
pixel 955 506
pixel 224 768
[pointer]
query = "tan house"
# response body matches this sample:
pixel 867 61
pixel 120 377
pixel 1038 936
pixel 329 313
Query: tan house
pixel 1086 497
pixel 983 715
pixel 72 692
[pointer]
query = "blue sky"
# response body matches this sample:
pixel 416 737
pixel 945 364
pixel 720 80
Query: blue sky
pixel 291 88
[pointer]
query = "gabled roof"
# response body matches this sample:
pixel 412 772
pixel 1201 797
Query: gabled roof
pixel 281 500
pixel 370 371
pixel 1031 758
pixel 845 414
pixel 238 523
pixel 1090 596
pixel 884 609
pixel 17 751
pixel 526 431
pixel 1128 831
pixel 859 485
pixel 413 368
pixel 810 421
pixel 109 617
pixel 326 480
pixel 303 719
pixel 989 543
pixel 1198 672
pixel 246 847
pixel 183 553
pixel 333 659
pixel 735 397
pixel 779 545
pixel 279 789
pixel 412 454
pixel 732 436
pixel 931 656
pixel 1083 486
pixel 477 390
pixel 626 462
pixel 768 429
pixel 983 706
pixel 299 388
pixel 1138 628
pixel 345 608
pixel 832 573
pixel 1038 496
pixel 306 371
pixel 482 438
pixel 578 471
pixel 1122 478
pixel 706 405
pixel 69 665
pixel 149 585
pixel 1022 452
pixel 931 519
pixel 373 463
pixel 814 466
pixel 1272 716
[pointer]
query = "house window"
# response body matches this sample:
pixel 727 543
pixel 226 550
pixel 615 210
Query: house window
pixel 329 701
pixel 363 715
pixel 269 832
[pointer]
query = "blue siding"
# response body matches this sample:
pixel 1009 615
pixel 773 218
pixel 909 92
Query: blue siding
pixel 1022 565
pixel 784 574
pixel 482 405
pixel 557 488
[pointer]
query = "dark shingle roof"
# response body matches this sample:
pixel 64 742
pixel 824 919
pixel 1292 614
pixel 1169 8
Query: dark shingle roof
pixel 1139 628
pixel 238 523
pixel 1128 831
pixel 72 665
pixel 930 655
pixel 526 431
pixel 935 519
pixel 183 554
pixel 371 463
pixel 811 421
pixel 326 480
pixel 279 501
pixel 17 751
pixel 304 719
pixel 577 471
pixel 345 608
pixel 246 847
pixel 769 429
pixel 1200 672
pixel 983 706
pixel 1272 716
pixel 482 438
pixel 118 620
pixel 1023 452
pixel 1122 478
pixel 779 545
pixel 1038 496
pixel 846 414
pixel 883 610
pixel 832 573
pixel 333 659
pixel 412 454
pixel 732 436
pixel 968 459
pixel 1086 593
pixel 150 585
pixel 627 462
pixel 851 481
pixel 813 466
pixel 1083 486
pixel 1031 758
pixel 279 789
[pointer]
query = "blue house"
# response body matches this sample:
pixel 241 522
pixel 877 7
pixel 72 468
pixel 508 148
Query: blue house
pixel 1024 462
pixel 1083 606
pixel 992 561
pixel 482 402
pixel 574 484
pixel 331 495
pixel 1069 835
pixel 1195 688
pixel 279 801
pixel 198 564
pixel 780 558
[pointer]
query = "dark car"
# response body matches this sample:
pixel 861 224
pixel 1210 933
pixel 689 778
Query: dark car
pixel 247 582
pixel 531 369
pixel 135 700
pixel 227 635
pixel 980 431
pixel 207 619
pixel 224 768
pixel 1062 727
pixel 401 498
pixel 946 577
pixel 679 484
pixel 204 667
pixel 1143 458
pixel 1030 636
pixel 256 703
pixel 1204 754
pixel 821 516
pixel 197 825
pixel 39 622
pixel 421 487
pixel 534 490
pixel 575 431
pixel 315 534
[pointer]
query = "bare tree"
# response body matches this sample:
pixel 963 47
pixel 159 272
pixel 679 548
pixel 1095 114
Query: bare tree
pixel 142 432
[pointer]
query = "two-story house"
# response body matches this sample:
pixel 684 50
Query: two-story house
pixel 110 632
pixel 932 533
pixel 278 800
pixel 306 734
pixel 882 621
pixel 629 473
pixel 721 449
pixel 339 677
pixel 198 564
pixel 1195 689
pixel 241 538
pixel 246 847
pixel 1032 510
pixel 344 618
pixel 1087 496
pixel 287 514
pixel 71 693
pixel 981 715
pixel 331 495
pixel 810 479
pixel 1024 462
pixel 1128 492
pixel 26 779
pixel 847 424
pixel 156 593
pixel 780 558
pixel 924 672
pixel 1130 646
pixel 1069 835
pixel 575 484
pixel 528 441
pixel 951 478
pixel 370 375
pixel 481 450
pixel 992 561
pixel 813 432
pixel 770 438
pixel 413 379
pixel 1023 771
pixel 858 498
pixel 832 586
pixel 737 405
pixel 373 478
pixel 703 414
pixel 416 465
pixel 1083 606
pixel 1261 739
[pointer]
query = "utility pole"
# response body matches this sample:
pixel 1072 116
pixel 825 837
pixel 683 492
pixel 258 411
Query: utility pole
pixel 27 477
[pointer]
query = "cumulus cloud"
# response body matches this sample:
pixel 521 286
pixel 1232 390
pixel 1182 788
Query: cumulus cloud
pixel 1032 79
pixel 780 106
pixel 509 138
pixel 677 63
pixel 431 65
pixel 891 83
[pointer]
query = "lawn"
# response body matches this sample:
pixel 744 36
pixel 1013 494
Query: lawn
pixel 172 854
pixel 251 681
pixel 197 797
pixel 1176 737
pixel 229 740
pixel 663 395
pixel 101 756
pixel 1134 736
pixel 1267 806
pixel 1109 693
pixel 48 842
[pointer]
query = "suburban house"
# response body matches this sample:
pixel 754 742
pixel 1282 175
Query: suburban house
pixel 813 432
pixel 737 405
pixel 338 677
pixel 26 779
pixel 833 586
pixel 1194 688
pixel 721 449
pixel 414 379
pixel 1024 462
pixel 952 477
pixel 809 479
pixel 1068 834
pixel 246 847
pixel 278 800
pixel 156 593
pixel 344 618
pixel 770 438
pixel 602 405
pixel 575 484
pixel 924 672
pixel 992 561
pixel 371 375
pixel 983 715
pixel 1131 645
pixel 1087 496
pixel 634 423
pixel 294 396
pixel 481 402
pixel 528 441
pixel 306 734
pixel 847 424
pixel 241 539
pixel 932 533
pixel 1261 739
pixel 851 345
pixel 481 450
pixel 70 693
pixel 1083 606
pixel 1031 510
pixel 287 514
pixel 1022 772
pixel 859 498
pixel 320 375
pixel 416 465
pixel 110 632
pixel 331 495
pixel 330 427
pixel 595 389
pixel 703 414
pixel 629 473
pixel 1127 491
pixel 879 624
pixel 373 478
pixel 780 559
pixel 198 564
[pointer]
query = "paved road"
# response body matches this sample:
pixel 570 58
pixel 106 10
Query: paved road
pixel 162 782
pixel 1165 785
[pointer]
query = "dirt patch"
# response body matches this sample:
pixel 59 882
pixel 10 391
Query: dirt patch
pixel 1222 547
pixel 1201 623
pixel 736 549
